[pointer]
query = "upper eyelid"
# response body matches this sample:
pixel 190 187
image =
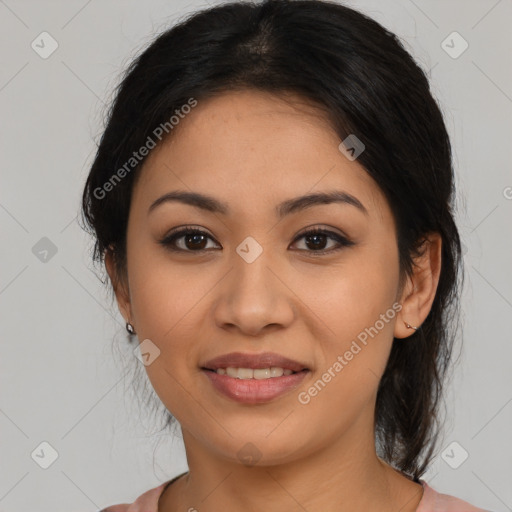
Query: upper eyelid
pixel 315 227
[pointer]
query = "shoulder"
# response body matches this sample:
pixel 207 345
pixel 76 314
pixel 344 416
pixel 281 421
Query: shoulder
pixel 146 502
pixel 434 501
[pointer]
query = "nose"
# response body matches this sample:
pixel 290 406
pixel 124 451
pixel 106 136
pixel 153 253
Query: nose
pixel 253 297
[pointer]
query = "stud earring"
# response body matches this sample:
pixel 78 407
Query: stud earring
pixel 129 328
pixel 410 326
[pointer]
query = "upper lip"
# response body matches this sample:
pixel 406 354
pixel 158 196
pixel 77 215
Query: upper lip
pixel 254 361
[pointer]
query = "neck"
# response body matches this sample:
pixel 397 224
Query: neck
pixel 347 475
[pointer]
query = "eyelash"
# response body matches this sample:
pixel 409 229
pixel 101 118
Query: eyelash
pixel 171 238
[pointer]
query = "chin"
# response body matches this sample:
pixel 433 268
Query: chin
pixel 260 450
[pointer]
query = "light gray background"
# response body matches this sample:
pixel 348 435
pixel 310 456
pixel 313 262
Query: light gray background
pixel 60 380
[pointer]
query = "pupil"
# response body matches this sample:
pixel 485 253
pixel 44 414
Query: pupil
pixel 194 239
pixel 316 244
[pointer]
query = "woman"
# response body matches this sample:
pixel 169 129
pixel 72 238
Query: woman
pixel 272 200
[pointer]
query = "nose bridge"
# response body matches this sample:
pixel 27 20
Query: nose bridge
pixel 251 267
pixel 252 296
pixel 251 272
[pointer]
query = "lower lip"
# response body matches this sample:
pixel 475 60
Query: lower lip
pixel 254 391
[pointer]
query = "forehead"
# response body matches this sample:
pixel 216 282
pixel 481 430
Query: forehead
pixel 249 148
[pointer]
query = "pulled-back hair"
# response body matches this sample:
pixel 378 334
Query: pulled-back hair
pixel 361 76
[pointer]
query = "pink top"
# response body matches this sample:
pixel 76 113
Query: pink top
pixel 431 501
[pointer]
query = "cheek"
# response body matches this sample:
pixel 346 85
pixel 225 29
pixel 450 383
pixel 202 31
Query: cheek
pixel 166 302
pixel 350 295
pixel 163 293
pixel 352 364
pixel 355 305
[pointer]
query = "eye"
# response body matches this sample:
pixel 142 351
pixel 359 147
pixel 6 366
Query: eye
pixel 193 239
pixel 317 238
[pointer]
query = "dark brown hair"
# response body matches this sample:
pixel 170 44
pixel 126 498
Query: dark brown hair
pixel 367 84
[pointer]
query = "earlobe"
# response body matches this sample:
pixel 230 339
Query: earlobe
pixel 420 291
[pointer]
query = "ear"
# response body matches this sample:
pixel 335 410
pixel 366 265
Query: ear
pixel 419 292
pixel 119 285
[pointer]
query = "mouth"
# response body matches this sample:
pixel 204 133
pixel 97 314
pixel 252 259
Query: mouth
pixel 254 378
pixel 255 362
pixel 253 373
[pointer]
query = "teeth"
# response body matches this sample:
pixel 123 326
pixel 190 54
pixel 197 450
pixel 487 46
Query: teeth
pixel 260 374
pixel 232 372
pixel 249 373
pixel 243 373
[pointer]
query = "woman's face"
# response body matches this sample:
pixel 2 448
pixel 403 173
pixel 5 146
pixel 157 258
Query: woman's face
pixel 253 284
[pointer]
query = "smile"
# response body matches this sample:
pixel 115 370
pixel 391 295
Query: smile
pixel 257 373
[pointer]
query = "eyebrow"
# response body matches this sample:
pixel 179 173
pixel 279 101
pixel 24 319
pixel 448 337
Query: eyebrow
pixel 287 207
